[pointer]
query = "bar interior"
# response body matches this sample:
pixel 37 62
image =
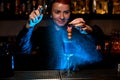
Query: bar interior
pixel 102 13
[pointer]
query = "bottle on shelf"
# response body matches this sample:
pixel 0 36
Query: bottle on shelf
pixel 87 6
pixel 8 7
pixel 116 7
pixel 2 7
pixel 22 8
pixel 28 7
pixel 94 4
pixel 110 6
pixel 34 4
pixel 81 6
pixel 17 4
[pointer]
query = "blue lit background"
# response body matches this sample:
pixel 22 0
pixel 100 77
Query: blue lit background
pixel 81 48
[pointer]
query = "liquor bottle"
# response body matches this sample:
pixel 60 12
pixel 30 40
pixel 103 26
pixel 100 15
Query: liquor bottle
pixel 6 61
pixel 94 4
pixel 74 6
pixel 22 9
pixel 87 6
pixel 34 4
pixel 102 7
pixel 17 4
pixel 2 8
pixel 8 7
pixel 90 6
pixel 116 7
pixel 110 6
pixel 40 2
pixel 28 7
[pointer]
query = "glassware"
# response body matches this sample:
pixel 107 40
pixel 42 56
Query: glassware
pixel 68 53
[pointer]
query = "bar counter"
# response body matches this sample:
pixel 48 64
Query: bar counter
pixel 94 74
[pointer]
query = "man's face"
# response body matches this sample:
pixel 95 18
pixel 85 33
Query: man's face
pixel 60 13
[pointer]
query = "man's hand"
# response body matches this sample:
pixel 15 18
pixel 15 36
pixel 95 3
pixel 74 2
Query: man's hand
pixel 79 24
pixel 35 17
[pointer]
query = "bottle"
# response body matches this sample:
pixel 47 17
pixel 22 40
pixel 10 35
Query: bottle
pixel 2 7
pixel 34 4
pixel 22 10
pixel 74 6
pixel 17 4
pixel 28 7
pixel 90 6
pixel 94 4
pixel 6 61
pixel 110 7
pixel 8 8
pixel 116 7
pixel 87 6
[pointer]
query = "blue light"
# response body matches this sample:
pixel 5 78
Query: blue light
pixel 12 61
pixel 81 50
pixel 26 42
